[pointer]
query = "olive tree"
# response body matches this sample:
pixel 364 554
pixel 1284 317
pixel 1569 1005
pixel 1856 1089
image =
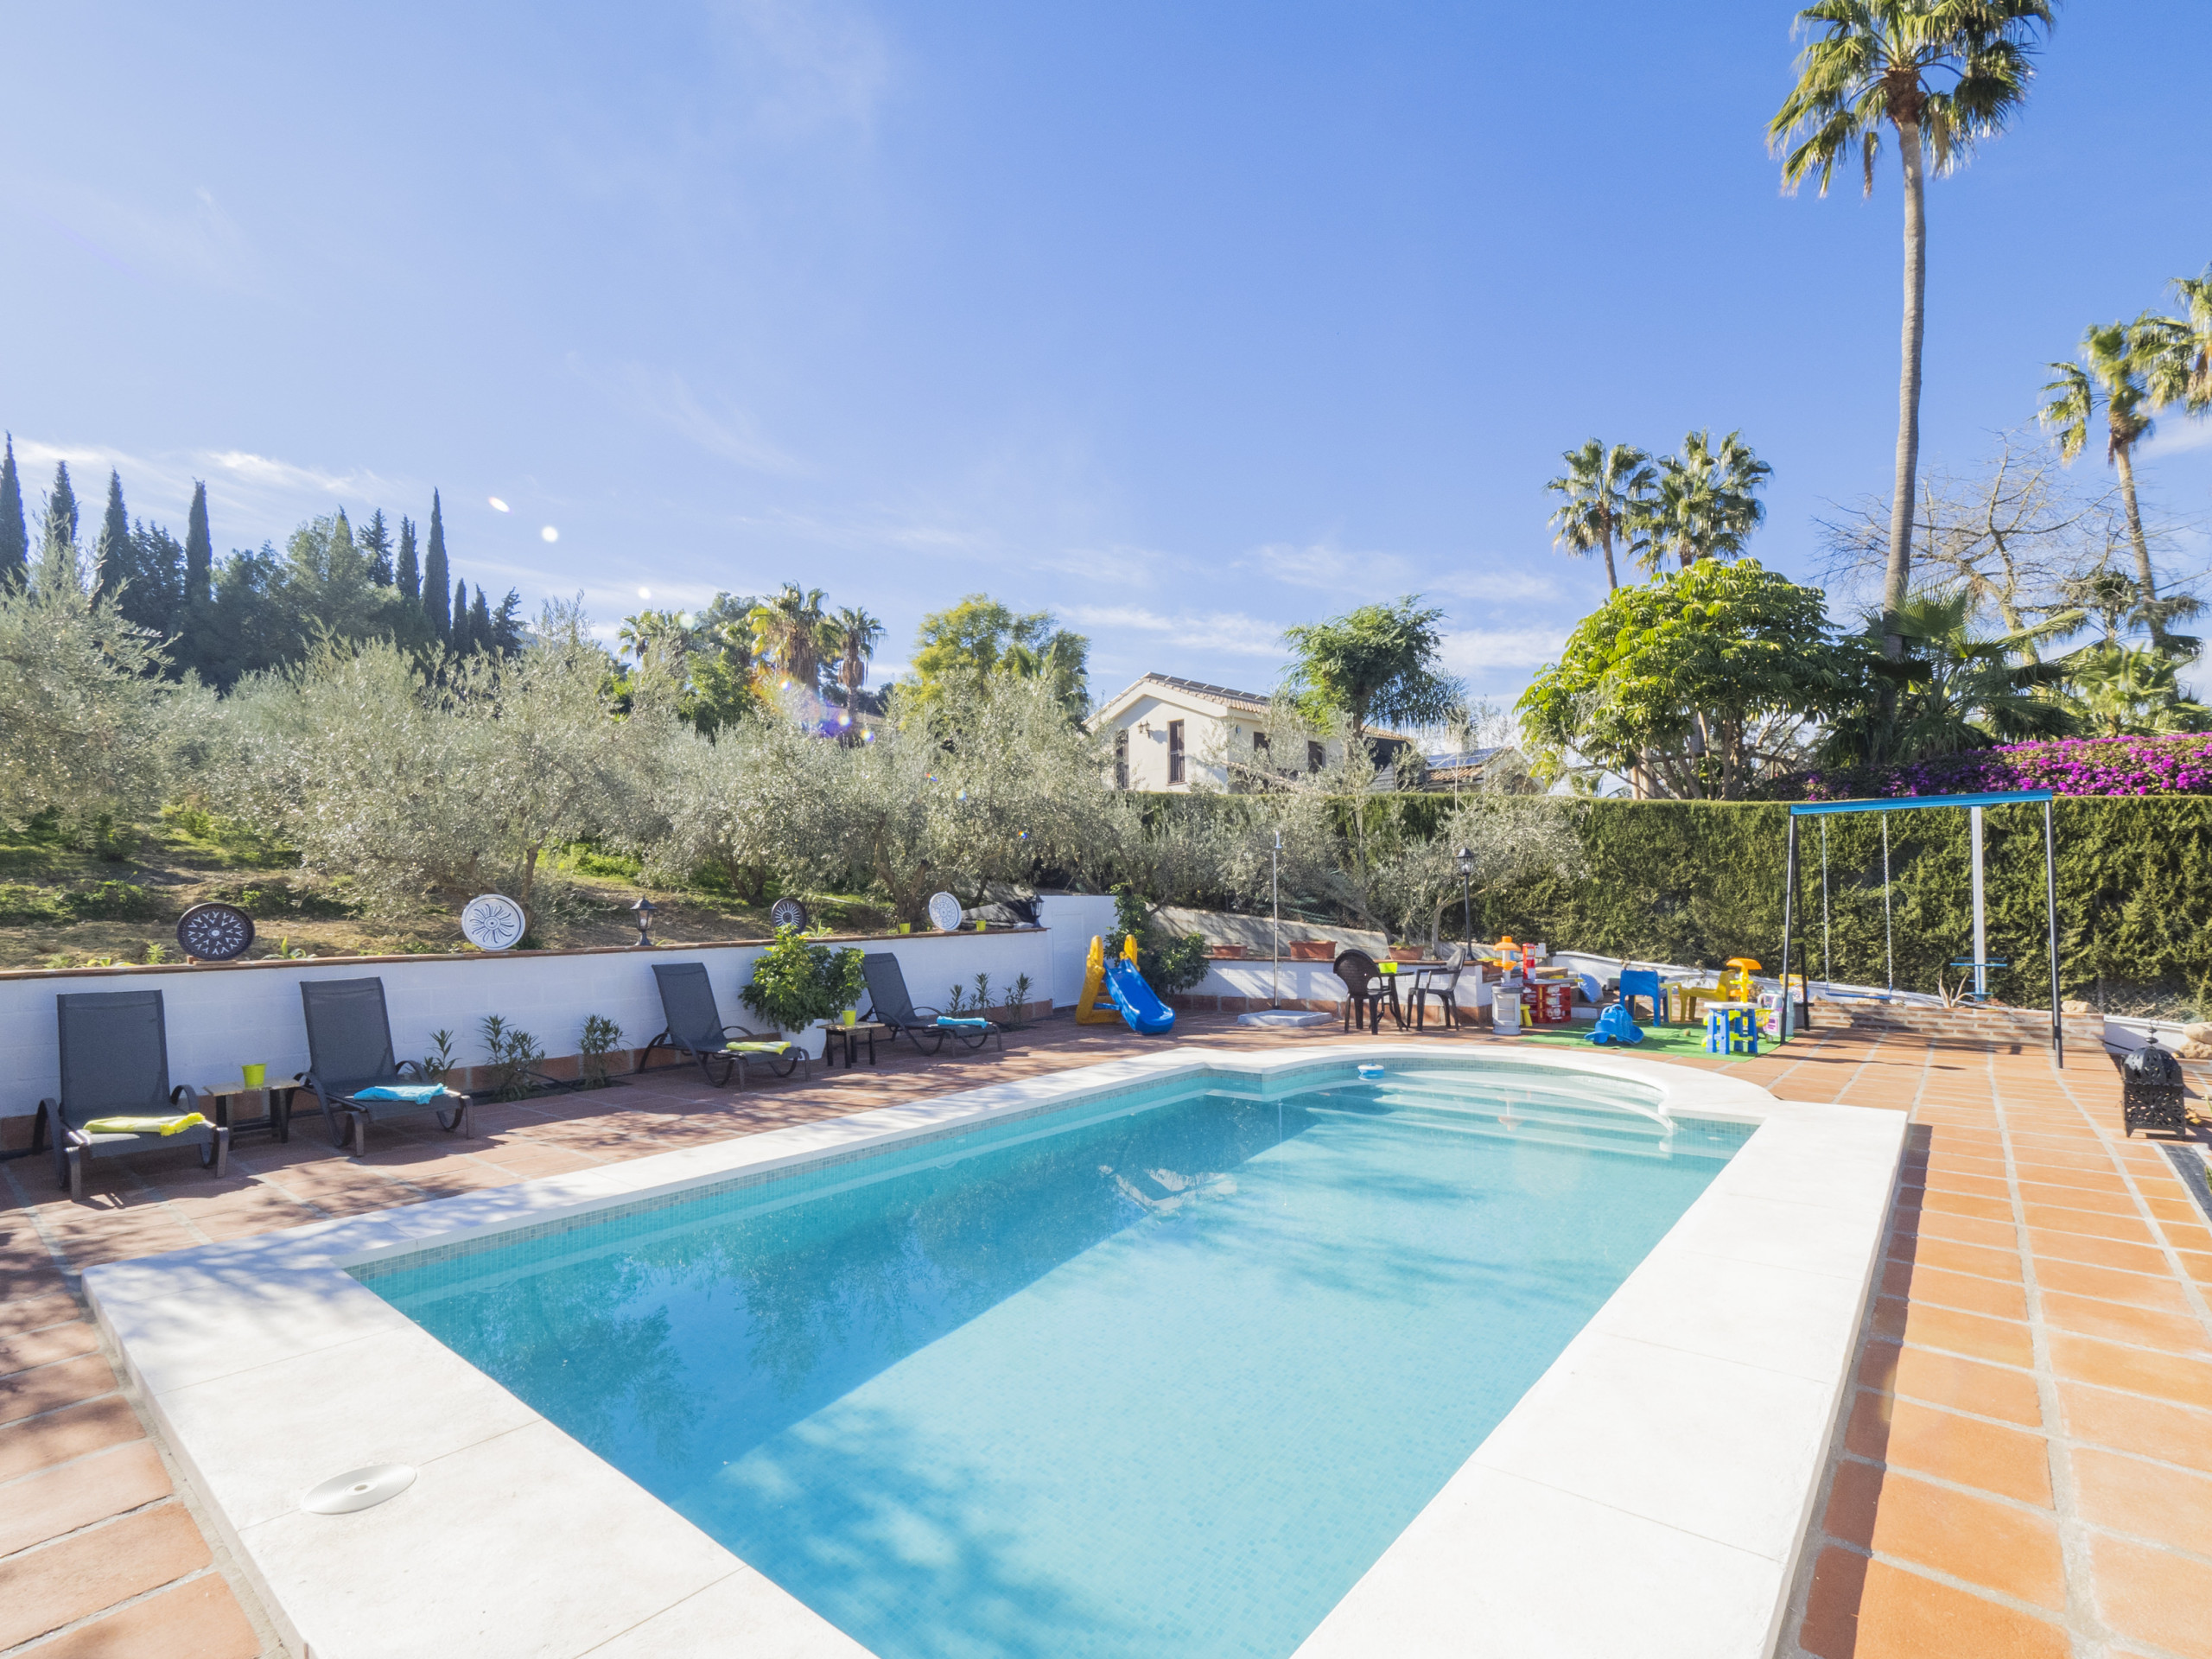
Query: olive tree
pixel 89 731
pixel 416 788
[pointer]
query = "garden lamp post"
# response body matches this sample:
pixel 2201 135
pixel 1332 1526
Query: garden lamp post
pixel 645 910
pixel 1466 860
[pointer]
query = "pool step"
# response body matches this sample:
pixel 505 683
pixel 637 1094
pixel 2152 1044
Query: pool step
pixel 1547 1122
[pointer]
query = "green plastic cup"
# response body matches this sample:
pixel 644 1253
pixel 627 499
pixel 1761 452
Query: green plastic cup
pixel 256 1076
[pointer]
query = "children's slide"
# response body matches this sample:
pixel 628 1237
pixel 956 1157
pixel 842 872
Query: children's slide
pixel 1145 1012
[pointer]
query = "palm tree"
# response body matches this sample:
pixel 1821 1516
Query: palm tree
pixel 2127 369
pixel 652 630
pixel 1604 485
pixel 1705 505
pixel 1956 690
pixel 1880 61
pixel 789 629
pixel 2194 294
pixel 2123 693
pixel 855 635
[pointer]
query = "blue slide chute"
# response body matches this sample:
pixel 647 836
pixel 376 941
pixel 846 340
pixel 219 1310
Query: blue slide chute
pixel 1145 1012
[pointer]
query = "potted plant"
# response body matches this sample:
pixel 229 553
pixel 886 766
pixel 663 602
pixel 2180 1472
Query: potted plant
pixel 799 988
pixel 1309 949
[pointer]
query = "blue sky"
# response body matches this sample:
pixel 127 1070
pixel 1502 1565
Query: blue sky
pixel 1186 322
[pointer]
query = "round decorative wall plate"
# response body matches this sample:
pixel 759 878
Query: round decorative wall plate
pixel 788 913
pixel 491 921
pixel 215 933
pixel 944 912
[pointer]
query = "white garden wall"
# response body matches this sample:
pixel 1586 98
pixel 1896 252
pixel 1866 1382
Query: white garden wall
pixel 224 1016
pixel 1072 920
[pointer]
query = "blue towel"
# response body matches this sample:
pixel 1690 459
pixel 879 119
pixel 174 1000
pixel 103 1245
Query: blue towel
pixel 947 1019
pixel 414 1092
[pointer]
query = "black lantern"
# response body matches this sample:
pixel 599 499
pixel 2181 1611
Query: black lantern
pixel 1465 859
pixel 2151 1092
pixel 645 910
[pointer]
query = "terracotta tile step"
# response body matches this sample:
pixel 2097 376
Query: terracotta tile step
pixel 42 1590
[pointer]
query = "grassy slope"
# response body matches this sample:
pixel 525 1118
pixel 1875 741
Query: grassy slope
pixel 63 908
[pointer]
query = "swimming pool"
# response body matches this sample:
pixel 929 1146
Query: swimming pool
pixel 1165 1371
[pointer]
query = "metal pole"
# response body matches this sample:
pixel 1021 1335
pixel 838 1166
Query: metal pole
pixel 1275 893
pixel 1828 961
pixel 1980 921
pixel 1888 935
pixel 2051 892
pixel 1788 923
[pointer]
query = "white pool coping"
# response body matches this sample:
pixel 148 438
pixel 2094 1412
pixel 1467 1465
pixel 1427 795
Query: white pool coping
pixel 1651 1490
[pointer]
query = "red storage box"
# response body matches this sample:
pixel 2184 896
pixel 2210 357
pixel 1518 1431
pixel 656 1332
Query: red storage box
pixel 1553 1003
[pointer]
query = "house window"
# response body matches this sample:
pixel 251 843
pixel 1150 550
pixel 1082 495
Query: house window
pixel 1174 750
pixel 1315 759
pixel 1120 760
pixel 1259 742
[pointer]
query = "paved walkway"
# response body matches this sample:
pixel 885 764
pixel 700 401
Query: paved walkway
pixel 2026 1466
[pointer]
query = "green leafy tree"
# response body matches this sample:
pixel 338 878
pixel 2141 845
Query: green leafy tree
pixel 2127 370
pixel 199 553
pixel 721 683
pixel 1602 492
pixel 1704 504
pixel 1168 962
pixel 1941 75
pixel 58 560
pixel 375 541
pixel 1377 663
pixel 980 639
pixel 1694 678
pixel 407 572
pixel 152 591
pixel 112 552
pixel 437 597
pixel 15 538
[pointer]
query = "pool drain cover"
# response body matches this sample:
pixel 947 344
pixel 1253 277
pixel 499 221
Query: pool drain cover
pixel 358 1489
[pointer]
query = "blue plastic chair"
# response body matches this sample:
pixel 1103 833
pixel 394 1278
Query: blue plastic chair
pixel 1644 982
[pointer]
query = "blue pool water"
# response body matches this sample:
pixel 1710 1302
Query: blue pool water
pixel 1162 1374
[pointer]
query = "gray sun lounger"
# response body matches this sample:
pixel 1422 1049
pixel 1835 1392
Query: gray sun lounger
pixel 349 1049
pixel 695 1028
pixel 893 1007
pixel 115 1063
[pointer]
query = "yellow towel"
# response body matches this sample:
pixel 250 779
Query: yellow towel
pixel 757 1048
pixel 145 1125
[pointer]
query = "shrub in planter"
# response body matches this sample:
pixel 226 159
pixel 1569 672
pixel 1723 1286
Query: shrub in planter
pixel 794 983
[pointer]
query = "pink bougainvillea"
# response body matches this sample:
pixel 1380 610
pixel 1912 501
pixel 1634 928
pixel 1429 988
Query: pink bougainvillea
pixel 2095 765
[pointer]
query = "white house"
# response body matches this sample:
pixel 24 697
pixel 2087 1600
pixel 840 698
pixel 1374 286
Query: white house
pixel 1171 733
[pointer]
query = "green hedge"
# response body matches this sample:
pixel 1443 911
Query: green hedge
pixel 1696 882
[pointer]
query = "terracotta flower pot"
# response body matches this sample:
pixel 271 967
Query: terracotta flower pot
pixel 1310 950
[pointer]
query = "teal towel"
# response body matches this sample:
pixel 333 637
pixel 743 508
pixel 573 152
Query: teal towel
pixel 947 1019
pixel 415 1092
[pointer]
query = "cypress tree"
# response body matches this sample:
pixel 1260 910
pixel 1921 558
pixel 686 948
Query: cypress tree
pixel 375 540
pixel 436 576
pixel 199 552
pixel 57 559
pixel 458 636
pixel 480 626
pixel 409 574
pixel 506 625
pixel 111 553
pixel 341 555
pixel 14 539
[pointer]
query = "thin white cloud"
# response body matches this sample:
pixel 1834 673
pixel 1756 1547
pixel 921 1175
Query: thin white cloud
pixel 662 395
pixel 250 498
pixel 809 65
pixel 185 238
pixel 1329 569
pixel 1476 651
pixel 2176 437
pixel 1232 631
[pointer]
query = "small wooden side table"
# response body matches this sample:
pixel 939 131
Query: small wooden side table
pixel 276 1112
pixel 850 1036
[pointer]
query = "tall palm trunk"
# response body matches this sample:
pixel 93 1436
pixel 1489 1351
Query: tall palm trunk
pixel 1897 577
pixel 2123 459
pixel 1612 581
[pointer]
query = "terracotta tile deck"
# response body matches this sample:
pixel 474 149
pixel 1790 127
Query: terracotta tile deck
pixel 2022 1468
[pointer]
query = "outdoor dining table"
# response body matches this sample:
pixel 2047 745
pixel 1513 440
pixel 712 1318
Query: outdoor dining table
pixel 1420 971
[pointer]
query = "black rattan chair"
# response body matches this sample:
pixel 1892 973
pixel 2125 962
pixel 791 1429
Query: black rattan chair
pixel 890 1004
pixel 349 1049
pixel 1366 991
pixel 695 1028
pixel 115 1063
